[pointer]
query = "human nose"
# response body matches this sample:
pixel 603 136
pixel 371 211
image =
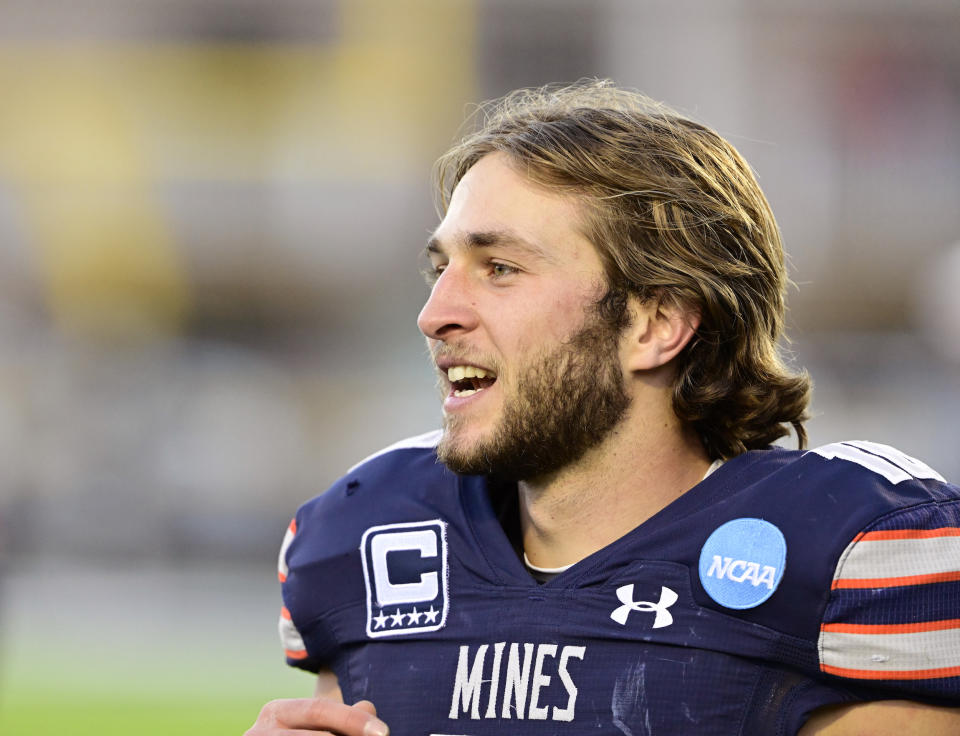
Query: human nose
pixel 449 309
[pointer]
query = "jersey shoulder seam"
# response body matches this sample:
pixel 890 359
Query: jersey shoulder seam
pixel 425 441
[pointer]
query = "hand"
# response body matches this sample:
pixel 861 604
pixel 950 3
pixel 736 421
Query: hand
pixel 883 718
pixel 318 715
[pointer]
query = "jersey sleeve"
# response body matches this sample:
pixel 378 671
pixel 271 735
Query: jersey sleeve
pixel 316 567
pixel 320 567
pixel 893 616
pixel 292 642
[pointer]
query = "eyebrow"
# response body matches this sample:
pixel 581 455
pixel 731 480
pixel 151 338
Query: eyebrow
pixel 489 238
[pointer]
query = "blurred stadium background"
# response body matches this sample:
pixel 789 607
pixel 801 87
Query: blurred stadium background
pixel 209 217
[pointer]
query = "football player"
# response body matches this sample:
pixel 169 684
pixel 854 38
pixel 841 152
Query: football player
pixel 603 538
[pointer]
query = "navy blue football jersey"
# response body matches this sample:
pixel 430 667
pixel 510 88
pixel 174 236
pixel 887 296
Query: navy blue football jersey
pixel 782 582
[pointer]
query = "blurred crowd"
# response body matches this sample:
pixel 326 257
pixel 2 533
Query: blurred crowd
pixel 210 215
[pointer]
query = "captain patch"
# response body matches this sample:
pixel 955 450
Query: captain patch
pixel 405 570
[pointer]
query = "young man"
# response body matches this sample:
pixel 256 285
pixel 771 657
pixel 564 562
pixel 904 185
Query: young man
pixel 608 543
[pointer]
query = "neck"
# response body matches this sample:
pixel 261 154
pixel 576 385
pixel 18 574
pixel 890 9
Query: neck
pixel 644 465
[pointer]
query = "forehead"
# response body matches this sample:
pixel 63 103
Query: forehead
pixel 494 198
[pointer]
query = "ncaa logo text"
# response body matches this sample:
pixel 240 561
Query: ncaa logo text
pixel 740 571
pixel 405 571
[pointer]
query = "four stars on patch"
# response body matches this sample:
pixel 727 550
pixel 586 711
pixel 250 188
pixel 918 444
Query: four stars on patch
pixel 413 617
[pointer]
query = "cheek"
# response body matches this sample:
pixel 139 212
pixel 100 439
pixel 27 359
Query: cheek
pixel 559 319
pixel 527 329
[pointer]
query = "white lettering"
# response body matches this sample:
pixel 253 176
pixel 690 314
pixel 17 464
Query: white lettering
pixel 740 571
pixel 495 680
pixel 515 687
pixel 526 681
pixel 767 577
pixel 388 593
pixel 540 680
pixel 466 688
pixel 566 714
pixel 731 575
pixel 719 567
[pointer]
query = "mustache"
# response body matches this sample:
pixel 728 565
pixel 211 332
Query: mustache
pixel 445 352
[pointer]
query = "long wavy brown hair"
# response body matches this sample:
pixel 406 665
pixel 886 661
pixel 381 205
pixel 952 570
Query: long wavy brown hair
pixel 677 215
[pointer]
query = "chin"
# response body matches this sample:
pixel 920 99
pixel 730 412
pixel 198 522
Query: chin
pixel 459 449
pixel 460 441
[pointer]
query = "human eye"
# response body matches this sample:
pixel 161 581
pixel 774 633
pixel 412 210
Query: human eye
pixel 432 274
pixel 501 270
pixel 432 271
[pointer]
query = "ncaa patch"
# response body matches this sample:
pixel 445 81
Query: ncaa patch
pixel 405 570
pixel 742 562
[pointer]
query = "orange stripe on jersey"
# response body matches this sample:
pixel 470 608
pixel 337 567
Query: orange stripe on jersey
pixel 891 675
pixel 937 577
pixel 912 628
pixel 945 531
pixel 287 539
pixel 285 613
pixel 296 654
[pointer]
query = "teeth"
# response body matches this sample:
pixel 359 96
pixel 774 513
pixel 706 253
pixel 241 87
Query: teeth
pixel 459 372
pixel 468 392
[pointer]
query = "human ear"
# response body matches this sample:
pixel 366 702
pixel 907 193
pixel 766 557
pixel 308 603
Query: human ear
pixel 659 331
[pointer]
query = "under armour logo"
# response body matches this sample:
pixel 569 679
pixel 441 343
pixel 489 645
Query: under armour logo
pixel 663 618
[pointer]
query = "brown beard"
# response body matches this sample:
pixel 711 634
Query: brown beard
pixel 567 401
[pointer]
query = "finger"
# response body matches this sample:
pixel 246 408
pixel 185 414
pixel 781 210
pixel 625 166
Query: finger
pixel 263 731
pixel 367 706
pixel 321 714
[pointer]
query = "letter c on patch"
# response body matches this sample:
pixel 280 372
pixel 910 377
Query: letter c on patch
pixel 388 593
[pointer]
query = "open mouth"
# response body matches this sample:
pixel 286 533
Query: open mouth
pixel 467 380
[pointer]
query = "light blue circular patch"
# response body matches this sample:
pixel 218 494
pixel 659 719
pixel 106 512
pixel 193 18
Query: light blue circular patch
pixel 742 562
